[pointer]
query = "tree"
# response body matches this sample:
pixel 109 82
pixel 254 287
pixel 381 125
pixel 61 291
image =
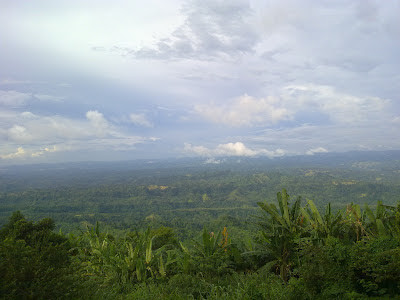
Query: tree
pixel 34 261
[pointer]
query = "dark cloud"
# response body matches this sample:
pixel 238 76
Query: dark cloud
pixel 211 29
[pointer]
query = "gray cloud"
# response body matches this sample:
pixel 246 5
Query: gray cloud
pixel 34 136
pixel 338 138
pixel 141 120
pixel 211 29
pixel 293 103
pixel 245 111
pixel 13 98
pixel 44 97
pixel 301 76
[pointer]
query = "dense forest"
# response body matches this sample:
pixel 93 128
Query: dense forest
pixel 195 230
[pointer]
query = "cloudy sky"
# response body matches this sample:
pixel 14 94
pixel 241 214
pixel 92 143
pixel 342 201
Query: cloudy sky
pixel 113 80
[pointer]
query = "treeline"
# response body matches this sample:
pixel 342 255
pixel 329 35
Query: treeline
pixel 296 252
pixel 197 198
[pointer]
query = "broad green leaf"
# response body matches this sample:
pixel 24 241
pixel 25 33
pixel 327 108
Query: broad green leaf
pixel 162 267
pixel 315 212
pixel 381 228
pixel 369 213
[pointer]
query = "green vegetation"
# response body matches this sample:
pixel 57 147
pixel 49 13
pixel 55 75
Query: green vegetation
pixel 187 197
pixel 297 253
pixel 194 231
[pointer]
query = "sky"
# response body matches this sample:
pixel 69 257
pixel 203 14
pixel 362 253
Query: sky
pixel 122 80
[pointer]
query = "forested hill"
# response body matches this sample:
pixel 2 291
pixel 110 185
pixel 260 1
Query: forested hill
pixel 20 177
pixel 193 192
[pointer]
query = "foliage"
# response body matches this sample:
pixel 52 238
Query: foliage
pixel 376 265
pixel 343 254
pixel 320 226
pixel 281 233
pixel 34 261
pixel 137 195
pixel 124 262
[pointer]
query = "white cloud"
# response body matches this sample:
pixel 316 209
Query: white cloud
pixel 316 150
pixel 245 111
pixel 277 75
pixel 199 150
pixel 141 120
pixel 13 81
pixel 212 160
pixel 396 120
pixel 28 115
pixel 44 97
pixel 19 134
pixel 42 152
pixel 319 103
pixel 20 153
pixel 340 107
pixel 36 136
pixel 13 98
pixel 98 121
pixel 234 149
pixel 231 149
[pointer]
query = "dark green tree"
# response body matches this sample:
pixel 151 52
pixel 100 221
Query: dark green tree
pixel 34 261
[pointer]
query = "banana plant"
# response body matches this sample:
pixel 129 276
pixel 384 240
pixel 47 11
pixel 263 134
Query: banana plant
pixel 183 258
pixel 355 220
pixel 321 227
pixel 281 230
pixel 385 221
pixel 133 260
pixel 141 258
pixel 209 244
pixel 376 221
